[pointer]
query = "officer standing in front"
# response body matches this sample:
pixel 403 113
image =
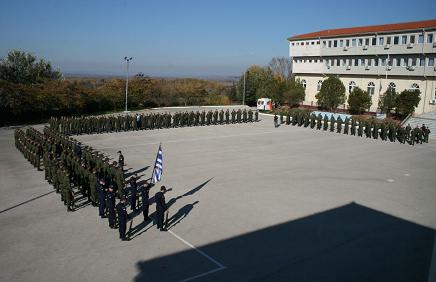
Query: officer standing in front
pixel 161 207
pixel 122 218
pixel 121 161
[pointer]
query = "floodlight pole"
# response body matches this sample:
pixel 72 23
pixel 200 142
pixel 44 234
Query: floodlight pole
pixel 127 78
pixel 243 95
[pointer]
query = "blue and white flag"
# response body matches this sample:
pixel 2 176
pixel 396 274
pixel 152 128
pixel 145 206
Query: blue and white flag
pixel 158 167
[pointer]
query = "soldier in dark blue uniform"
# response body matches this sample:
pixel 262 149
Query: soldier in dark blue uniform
pixel 111 206
pixel 123 217
pixel 145 203
pixel 161 207
pixel 133 192
pixel 101 190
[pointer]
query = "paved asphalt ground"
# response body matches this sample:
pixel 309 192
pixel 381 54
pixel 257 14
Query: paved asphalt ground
pixel 248 202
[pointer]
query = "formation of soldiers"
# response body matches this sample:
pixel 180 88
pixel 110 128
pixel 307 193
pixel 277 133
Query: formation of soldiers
pixel 370 128
pixel 74 169
pixel 112 123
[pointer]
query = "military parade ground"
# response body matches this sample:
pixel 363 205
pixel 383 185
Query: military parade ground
pixel 246 201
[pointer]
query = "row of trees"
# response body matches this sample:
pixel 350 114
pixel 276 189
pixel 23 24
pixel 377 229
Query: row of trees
pixel 30 89
pixel 332 94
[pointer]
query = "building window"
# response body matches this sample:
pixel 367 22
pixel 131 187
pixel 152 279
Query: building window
pixel 313 43
pixel 403 62
pixel 430 62
pixel 371 88
pixel 394 61
pixel 398 62
pixel 383 62
pixel 369 62
pixel 335 43
pixel 381 41
pixel 330 44
pixel 375 62
pixel 421 38
pixel 360 42
pixel 388 40
pixel 303 83
pixel 374 41
pixel 317 43
pixel 353 42
pixel 430 38
pixel 351 86
pixel 292 44
pixel 421 62
pixel 341 43
pixel 360 62
pixel 355 62
pixel 392 86
pixel 404 39
pixel 414 86
pixel 367 41
pixel 318 86
pixel 396 40
pixel 324 44
pixel 412 39
pixel 347 42
pixel 310 60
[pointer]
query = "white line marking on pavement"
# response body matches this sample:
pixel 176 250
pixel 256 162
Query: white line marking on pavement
pixel 220 265
pixel 390 180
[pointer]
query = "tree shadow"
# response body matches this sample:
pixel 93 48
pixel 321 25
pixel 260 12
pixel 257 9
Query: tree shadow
pixel 347 243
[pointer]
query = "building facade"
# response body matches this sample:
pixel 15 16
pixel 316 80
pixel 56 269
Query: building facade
pixel 372 58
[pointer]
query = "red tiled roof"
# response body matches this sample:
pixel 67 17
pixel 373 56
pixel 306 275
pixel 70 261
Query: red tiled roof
pixel 367 29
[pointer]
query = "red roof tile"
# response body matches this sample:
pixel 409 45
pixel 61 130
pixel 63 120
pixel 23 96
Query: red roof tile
pixel 366 29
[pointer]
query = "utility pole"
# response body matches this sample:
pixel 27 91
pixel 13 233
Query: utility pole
pixel 127 78
pixel 243 94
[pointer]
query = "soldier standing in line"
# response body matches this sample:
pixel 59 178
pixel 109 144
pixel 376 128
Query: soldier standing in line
pixel 123 217
pixel 346 125
pixel 121 160
pixel 93 187
pixel 288 118
pixel 360 128
pixel 368 129
pixel 145 200
pixel 256 116
pixel 375 130
pixel 339 125
pixel 111 206
pixel 227 116
pixel 233 116
pixel 101 190
pixel 276 121
pixel 326 123
pixel 418 134
pixel 383 134
pixel 353 127
pixel 413 136
pixel 133 192
pixel 318 121
pixel 332 123
pixel 408 131
pixel 221 115
pixel 250 115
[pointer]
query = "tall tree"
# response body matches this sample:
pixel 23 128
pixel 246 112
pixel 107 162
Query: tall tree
pixel 387 103
pixel 332 93
pixel 22 67
pixel 406 101
pixel 295 93
pixel 282 67
pixel 359 101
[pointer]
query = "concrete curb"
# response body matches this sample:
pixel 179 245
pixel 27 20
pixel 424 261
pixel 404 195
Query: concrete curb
pixel 188 107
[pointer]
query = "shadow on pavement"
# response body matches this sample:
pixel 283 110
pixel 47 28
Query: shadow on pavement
pixel 348 243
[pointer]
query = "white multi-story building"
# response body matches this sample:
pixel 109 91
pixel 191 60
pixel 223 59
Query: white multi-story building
pixel 371 57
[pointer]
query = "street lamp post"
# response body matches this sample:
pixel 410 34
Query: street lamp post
pixel 243 94
pixel 127 78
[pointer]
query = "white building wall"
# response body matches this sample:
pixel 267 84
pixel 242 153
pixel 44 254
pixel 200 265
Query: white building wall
pixel 427 88
pixel 311 57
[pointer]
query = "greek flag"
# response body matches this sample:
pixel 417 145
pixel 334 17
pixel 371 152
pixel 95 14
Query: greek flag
pixel 158 167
